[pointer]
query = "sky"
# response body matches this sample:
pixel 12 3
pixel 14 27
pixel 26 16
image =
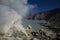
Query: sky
pixel 44 5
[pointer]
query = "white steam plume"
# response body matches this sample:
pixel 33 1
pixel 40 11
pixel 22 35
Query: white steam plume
pixel 10 12
pixel 7 17
pixel 18 5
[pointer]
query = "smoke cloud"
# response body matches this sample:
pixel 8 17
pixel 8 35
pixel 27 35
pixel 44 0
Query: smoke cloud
pixel 10 12
pixel 7 17
pixel 18 5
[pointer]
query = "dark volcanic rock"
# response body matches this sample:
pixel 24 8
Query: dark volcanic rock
pixel 52 19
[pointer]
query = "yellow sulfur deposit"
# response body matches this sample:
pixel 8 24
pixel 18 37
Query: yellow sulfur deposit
pixel 5 36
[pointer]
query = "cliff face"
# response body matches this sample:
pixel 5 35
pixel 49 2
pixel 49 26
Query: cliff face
pixel 45 15
pixel 51 17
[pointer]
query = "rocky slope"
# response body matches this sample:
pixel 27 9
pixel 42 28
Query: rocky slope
pixel 51 17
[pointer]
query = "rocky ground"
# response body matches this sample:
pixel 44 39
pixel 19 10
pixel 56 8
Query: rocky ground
pixel 35 35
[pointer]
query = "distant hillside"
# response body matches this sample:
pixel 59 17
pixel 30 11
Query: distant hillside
pixel 51 17
pixel 45 15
